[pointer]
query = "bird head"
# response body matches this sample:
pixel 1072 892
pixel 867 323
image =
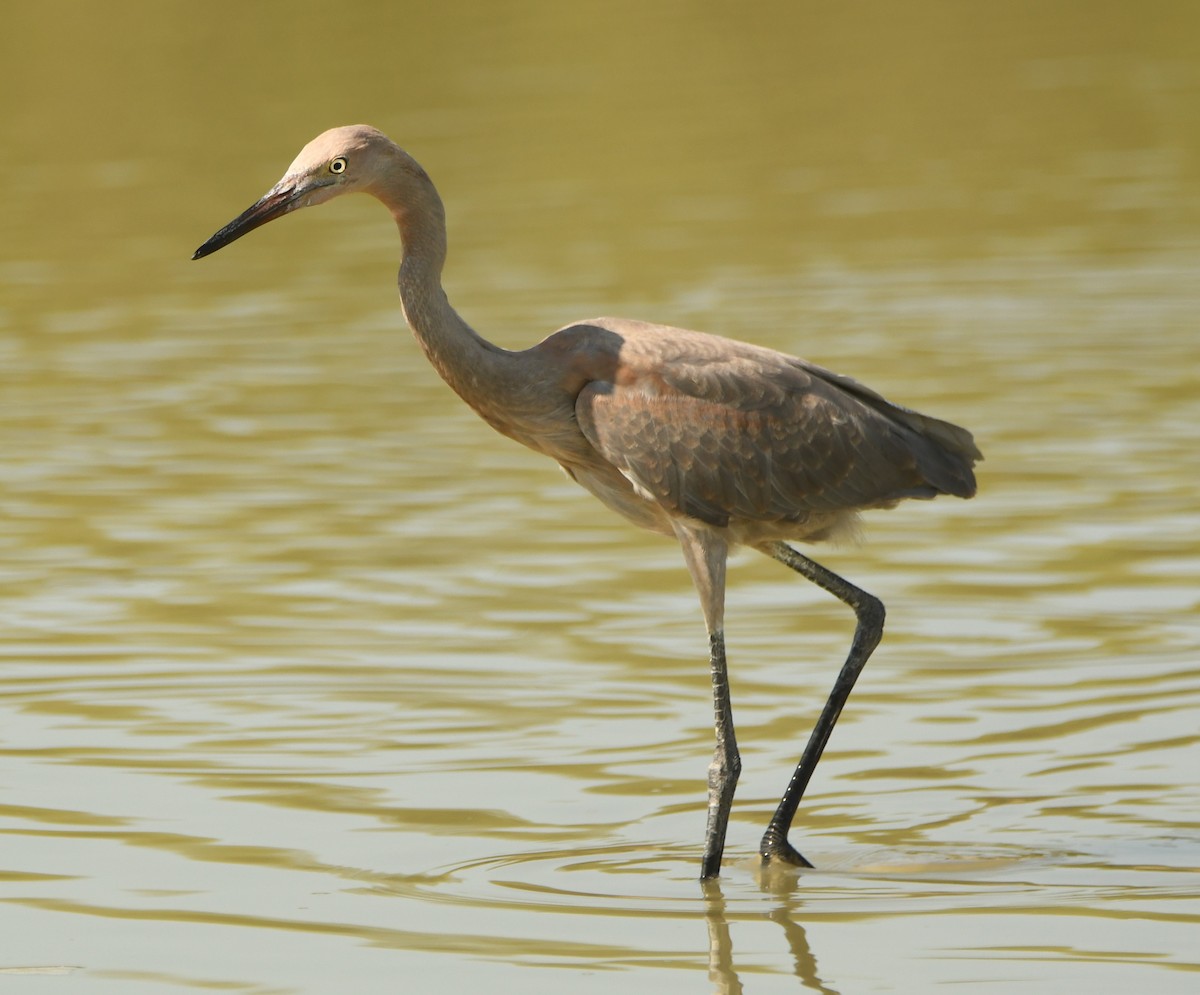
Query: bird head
pixel 341 160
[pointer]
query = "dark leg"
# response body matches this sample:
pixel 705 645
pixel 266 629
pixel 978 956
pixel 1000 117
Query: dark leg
pixel 870 613
pixel 705 553
pixel 726 764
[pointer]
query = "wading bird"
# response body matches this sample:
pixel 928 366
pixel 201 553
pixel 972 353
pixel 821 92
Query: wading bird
pixel 713 441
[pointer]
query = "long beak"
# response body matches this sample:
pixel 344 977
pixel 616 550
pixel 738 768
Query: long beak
pixel 275 203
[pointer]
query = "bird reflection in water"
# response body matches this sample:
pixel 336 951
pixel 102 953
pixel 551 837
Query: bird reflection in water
pixel 722 971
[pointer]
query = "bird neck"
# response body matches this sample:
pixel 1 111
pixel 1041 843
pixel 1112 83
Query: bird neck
pixel 462 357
pixel 477 370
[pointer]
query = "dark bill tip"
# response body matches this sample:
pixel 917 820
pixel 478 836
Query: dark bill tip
pixel 274 204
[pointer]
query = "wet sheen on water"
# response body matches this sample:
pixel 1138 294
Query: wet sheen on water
pixel 309 682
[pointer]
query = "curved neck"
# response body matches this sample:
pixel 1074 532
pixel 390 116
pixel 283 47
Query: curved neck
pixel 460 355
pixel 477 370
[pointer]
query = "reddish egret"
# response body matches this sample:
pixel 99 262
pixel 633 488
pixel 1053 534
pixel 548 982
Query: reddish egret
pixel 715 442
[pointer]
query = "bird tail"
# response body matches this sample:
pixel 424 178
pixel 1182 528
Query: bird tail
pixel 945 453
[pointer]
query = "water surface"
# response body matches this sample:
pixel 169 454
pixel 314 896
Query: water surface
pixel 310 683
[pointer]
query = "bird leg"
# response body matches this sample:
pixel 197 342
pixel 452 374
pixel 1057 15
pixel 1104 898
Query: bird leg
pixel 706 553
pixel 726 763
pixel 870 614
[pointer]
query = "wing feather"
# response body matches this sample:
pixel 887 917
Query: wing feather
pixel 753 435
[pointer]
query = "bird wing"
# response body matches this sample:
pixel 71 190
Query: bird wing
pixel 721 431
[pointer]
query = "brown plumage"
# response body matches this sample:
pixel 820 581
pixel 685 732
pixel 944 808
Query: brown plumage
pixel 716 442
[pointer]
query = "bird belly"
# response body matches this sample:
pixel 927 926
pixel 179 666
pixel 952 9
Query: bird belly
pixel 618 494
pixel 835 526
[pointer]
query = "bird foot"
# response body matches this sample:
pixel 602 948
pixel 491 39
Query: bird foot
pixel 775 848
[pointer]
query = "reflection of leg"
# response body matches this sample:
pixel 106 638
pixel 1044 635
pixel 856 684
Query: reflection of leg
pixel 870 613
pixel 721 970
pixel 720 947
pixel 802 955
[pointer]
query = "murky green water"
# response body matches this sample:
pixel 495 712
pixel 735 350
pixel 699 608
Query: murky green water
pixel 310 683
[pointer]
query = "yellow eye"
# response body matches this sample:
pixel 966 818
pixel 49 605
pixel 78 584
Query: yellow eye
pixel 338 165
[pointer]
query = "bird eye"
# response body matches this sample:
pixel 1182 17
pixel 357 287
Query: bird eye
pixel 338 165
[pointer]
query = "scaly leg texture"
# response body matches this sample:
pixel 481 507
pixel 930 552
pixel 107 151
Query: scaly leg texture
pixel 870 614
pixel 705 553
pixel 726 765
